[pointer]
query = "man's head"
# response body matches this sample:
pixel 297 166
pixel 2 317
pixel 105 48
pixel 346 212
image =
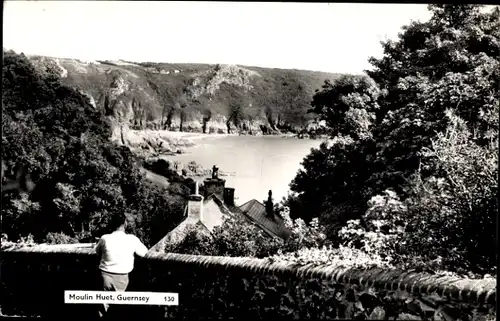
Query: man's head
pixel 118 222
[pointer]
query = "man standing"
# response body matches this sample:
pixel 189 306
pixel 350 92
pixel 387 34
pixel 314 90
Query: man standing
pixel 116 251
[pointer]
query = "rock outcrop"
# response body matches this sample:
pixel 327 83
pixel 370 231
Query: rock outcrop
pixel 218 99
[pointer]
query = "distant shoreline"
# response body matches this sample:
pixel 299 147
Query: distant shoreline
pixel 198 136
pixel 154 143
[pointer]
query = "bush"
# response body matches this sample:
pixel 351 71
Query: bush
pixel 303 235
pixel 449 222
pixel 237 237
pixel 342 256
pixel 60 238
pixel 359 248
pixel 452 216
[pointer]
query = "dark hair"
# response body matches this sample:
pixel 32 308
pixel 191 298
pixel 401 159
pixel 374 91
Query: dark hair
pixel 116 221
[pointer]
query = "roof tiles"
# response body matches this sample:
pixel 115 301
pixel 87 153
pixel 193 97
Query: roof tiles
pixel 257 212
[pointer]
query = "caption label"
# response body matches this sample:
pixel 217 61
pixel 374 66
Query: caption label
pixel 140 298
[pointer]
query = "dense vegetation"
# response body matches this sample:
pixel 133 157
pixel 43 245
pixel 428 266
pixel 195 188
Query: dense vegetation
pixel 413 158
pixel 80 177
pixel 237 237
pixel 409 177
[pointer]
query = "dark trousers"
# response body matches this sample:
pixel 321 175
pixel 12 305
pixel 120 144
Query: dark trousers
pixel 112 282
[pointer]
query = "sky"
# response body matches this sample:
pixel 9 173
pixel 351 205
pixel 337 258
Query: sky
pixel 331 37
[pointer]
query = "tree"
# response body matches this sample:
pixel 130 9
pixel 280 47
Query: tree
pixel 436 66
pixel 348 105
pixel 452 215
pixel 449 221
pixel 446 66
pixel 457 44
pixel 331 184
pixel 81 178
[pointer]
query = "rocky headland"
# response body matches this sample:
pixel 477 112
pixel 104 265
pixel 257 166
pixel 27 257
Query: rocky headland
pixel 147 103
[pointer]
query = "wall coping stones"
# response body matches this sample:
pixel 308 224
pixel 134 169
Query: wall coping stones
pixel 476 291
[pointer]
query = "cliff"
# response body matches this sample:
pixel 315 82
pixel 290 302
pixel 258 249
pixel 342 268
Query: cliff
pixel 192 97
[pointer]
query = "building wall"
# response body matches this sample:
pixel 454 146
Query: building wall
pixel 195 207
pixel 214 186
pixel 212 215
pixel 229 196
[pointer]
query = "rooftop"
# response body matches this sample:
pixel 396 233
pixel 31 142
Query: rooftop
pixel 214 211
pixel 257 212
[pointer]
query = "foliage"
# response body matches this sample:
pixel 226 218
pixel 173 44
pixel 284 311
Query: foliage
pixel 348 105
pixel 342 256
pixel 238 237
pixel 235 237
pixel 81 177
pixel 449 222
pixel 60 238
pixel 308 245
pixel 17 215
pixel 433 142
pixel 343 161
pixel 453 214
pixel 303 235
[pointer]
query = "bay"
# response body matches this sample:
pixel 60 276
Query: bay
pixel 255 164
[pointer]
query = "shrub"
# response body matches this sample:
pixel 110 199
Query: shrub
pixel 60 238
pixel 449 221
pixel 303 235
pixel 342 256
pixel 452 216
pixel 237 237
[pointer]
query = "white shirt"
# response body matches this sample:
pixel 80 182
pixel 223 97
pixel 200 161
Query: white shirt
pixel 117 252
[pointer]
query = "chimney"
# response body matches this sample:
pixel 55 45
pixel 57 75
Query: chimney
pixel 229 196
pixel 270 205
pixel 215 185
pixel 195 204
pixel 179 166
pixel 196 188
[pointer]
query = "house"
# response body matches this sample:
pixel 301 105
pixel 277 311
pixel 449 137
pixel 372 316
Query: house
pixel 209 210
pixel 273 224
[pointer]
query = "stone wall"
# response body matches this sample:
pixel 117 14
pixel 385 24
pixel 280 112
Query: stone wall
pixel 33 281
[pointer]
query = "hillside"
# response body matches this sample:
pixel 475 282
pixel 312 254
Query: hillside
pixel 72 179
pixel 193 97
